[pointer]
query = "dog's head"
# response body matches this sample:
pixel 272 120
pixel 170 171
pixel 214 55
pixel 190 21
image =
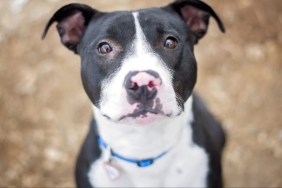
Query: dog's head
pixel 136 66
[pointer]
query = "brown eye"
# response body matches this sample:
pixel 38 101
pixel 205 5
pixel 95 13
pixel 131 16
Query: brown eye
pixel 170 43
pixel 104 48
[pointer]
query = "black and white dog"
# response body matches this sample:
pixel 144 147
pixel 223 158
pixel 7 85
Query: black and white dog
pixel 139 70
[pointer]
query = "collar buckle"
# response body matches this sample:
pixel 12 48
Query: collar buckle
pixel 145 162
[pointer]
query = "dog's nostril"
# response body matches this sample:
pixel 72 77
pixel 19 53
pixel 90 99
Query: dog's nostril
pixel 134 86
pixel 151 85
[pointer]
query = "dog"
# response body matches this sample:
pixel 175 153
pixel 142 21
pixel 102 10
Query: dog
pixel 138 69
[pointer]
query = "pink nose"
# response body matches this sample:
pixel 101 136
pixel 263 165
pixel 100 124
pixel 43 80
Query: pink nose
pixel 142 85
pixel 145 79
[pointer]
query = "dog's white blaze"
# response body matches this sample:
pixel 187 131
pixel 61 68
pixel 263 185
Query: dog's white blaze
pixel 141 45
pixel 140 58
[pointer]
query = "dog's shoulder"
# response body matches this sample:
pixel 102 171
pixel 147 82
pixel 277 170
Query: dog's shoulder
pixel 209 134
pixel 206 128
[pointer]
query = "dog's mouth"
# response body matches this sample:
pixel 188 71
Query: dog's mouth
pixel 143 117
pixel 145 113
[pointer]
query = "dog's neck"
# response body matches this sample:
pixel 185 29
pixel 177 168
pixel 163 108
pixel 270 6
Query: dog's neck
pixel 146 141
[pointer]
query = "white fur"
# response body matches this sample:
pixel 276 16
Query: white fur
pixel 185 165
pixel 136 142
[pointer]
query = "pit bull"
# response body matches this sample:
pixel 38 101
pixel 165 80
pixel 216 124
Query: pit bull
pixel 139 70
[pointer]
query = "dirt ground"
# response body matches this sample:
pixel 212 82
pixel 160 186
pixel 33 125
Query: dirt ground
pixel 44 112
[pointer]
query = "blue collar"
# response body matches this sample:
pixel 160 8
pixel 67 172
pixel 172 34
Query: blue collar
pixel 139 163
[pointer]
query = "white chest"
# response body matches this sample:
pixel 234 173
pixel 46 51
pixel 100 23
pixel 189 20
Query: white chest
pixel 186 165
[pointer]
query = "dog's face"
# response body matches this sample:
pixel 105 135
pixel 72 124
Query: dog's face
pixel 139 66
pixel 136 62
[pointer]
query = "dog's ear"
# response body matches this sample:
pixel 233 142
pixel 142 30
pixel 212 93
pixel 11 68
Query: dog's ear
pixel 196 14
pixel 72 20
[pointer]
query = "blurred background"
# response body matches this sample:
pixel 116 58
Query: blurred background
pixel 44 112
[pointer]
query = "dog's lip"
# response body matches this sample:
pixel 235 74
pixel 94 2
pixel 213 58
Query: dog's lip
pixel 144 114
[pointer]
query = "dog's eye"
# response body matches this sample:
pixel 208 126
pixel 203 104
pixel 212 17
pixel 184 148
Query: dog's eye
pixel 170 43
pixel 104 48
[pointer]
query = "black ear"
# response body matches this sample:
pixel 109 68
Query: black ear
pixel 72 21
pixel 196 15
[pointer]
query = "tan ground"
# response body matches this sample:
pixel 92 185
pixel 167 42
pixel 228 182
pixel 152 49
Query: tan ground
pixel 44 112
